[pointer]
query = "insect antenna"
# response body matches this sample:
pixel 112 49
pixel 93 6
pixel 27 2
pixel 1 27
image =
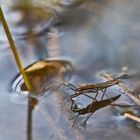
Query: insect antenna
pixel 71 86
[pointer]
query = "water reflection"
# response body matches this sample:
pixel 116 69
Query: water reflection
pixel 32 102
pixel 33 18
pixel 95 35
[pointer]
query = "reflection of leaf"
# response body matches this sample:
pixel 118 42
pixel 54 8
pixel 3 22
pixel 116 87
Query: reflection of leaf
pixel 38 16
pixel 94 106
pixel 34 13
pixel 46 9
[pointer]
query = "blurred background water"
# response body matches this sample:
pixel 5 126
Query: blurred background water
pixel 94 35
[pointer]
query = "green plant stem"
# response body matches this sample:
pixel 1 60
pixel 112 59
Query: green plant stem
pixel 15 53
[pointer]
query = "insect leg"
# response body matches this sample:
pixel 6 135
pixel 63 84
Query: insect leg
pixel 73 104
pixel 75 120
pixel 85 121
pixel 93 98
pixel 96 94
pixel 109 98
pixel 103 93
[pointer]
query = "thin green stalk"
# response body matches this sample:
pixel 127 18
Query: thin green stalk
pixel 15 53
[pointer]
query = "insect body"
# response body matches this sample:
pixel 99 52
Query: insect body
pixel 94 87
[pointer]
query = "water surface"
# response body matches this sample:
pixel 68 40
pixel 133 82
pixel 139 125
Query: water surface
pixel 94 36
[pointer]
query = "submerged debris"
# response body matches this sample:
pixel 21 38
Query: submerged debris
pixel 123 87
pixel 132 117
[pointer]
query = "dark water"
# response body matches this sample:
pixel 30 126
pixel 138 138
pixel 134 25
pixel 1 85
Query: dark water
pixel 95 36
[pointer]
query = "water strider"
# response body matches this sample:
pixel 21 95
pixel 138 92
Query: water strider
pixel 91 88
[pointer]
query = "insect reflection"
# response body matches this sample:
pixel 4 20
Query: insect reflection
pixel 94 106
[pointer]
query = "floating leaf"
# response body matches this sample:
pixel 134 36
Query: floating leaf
pixel 44 75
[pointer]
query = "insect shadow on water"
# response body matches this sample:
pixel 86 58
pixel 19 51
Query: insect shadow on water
pixel 91 88
pixel 91 108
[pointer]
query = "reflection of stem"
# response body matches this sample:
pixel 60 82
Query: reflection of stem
pixel 53 44
pixel 29 121
pixel 31 104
